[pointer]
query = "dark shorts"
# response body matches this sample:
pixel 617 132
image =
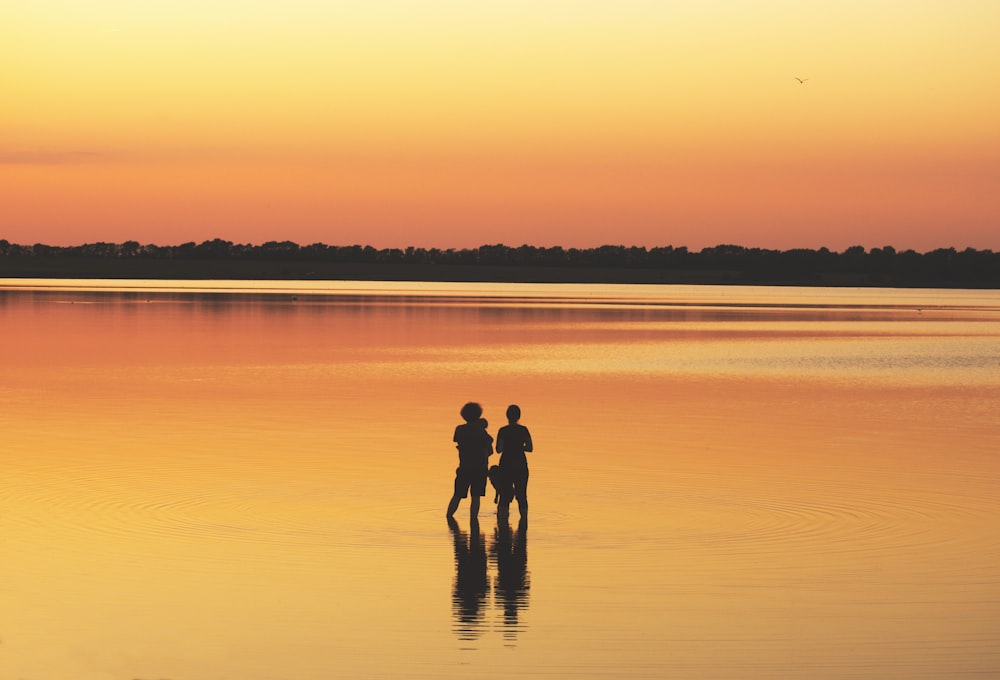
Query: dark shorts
pixel 466 479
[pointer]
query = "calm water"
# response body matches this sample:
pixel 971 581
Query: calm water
pixel 248 481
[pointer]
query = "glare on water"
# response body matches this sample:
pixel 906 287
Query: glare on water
pixel 248 480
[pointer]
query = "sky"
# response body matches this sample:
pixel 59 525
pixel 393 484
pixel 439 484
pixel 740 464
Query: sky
pixel 451 124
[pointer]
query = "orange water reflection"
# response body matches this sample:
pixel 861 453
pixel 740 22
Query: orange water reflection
pixel 207 483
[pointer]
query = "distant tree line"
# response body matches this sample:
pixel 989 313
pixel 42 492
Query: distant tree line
pixel 727 263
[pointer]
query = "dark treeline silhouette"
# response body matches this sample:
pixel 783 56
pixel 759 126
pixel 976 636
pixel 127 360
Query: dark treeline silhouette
pixel 726 264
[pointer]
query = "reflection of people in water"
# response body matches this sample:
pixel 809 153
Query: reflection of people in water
pixel 510 548
pixel 471 587
pixel 471 581
pixel 513 442
pixel 475 446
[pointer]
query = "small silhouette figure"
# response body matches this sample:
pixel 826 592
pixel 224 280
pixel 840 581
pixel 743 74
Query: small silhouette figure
pixel 502 486
pixel 475 446
pixel 513 442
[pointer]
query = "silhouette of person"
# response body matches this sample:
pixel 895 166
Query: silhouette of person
pixel 510 591
pixel 471 583
pixel 513 442
pixel 475 446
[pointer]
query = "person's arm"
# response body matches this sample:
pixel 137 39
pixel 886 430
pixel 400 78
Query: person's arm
pixel 528 446
pixel 500 440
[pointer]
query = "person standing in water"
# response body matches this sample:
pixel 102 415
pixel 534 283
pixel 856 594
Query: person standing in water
pixel 513 442
pixel 475 446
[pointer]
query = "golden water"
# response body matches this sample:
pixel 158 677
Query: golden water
pixel 248 480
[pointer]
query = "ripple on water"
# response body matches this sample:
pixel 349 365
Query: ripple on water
pixel 118 503
pixel 134 513
pixel 853 518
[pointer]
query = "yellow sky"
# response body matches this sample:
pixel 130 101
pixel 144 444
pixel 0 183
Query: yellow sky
pixel 452 124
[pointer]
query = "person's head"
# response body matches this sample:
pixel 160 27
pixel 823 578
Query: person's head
pixel 471 411
pixel 513 413
pixel 483 423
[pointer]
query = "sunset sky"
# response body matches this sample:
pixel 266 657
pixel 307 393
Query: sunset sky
pixel 454 124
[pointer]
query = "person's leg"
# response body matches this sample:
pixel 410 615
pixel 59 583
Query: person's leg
pixel 503 506
pixel 477 489
pixel 461 489
pixel 521 493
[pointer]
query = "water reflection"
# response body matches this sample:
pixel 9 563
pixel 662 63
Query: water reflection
pixel 471 581
pixel 510 581
pixel 815 485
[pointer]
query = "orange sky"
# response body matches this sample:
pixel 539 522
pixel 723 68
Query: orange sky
pixel 448 124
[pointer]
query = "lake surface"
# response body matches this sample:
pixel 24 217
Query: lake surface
pixel 240 480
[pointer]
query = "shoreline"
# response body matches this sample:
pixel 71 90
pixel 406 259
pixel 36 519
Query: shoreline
pixel 299 270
